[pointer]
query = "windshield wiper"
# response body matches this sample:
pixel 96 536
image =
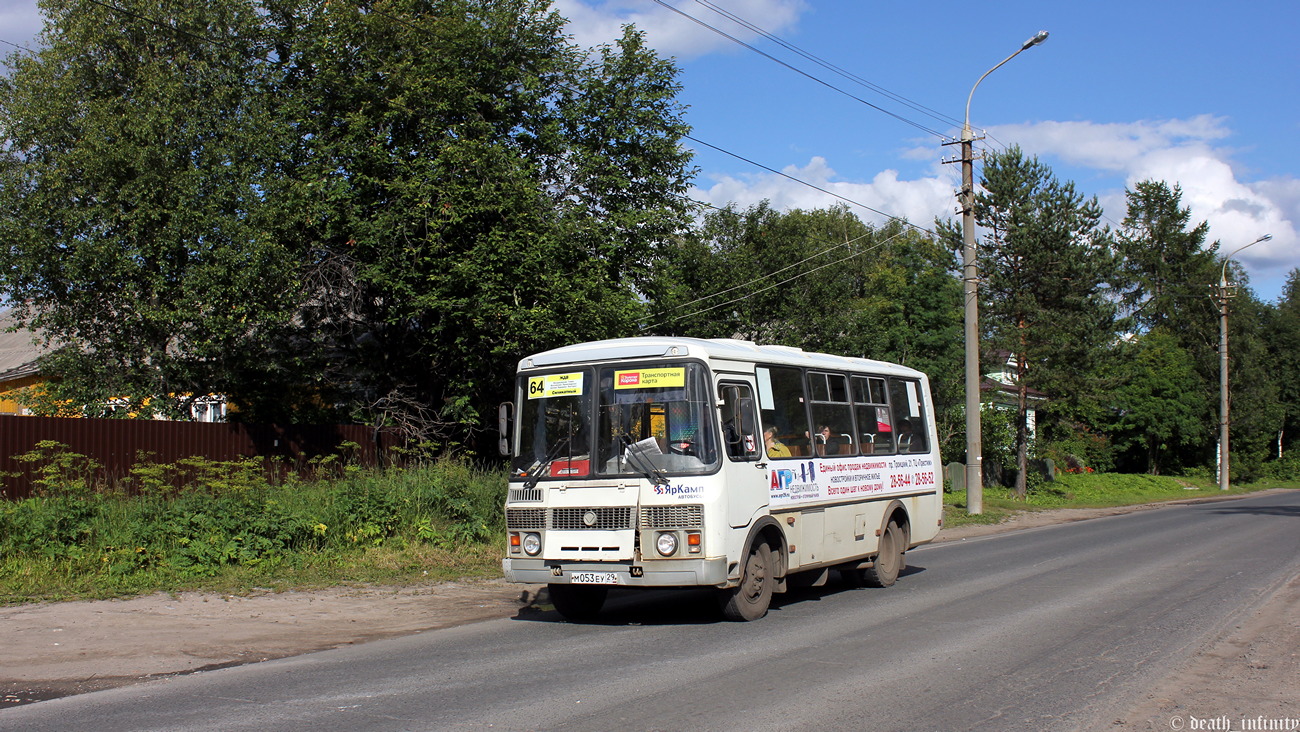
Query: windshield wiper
pixel 653 474
pixel 551 455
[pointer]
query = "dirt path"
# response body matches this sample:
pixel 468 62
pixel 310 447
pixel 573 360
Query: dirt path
pixel 57 649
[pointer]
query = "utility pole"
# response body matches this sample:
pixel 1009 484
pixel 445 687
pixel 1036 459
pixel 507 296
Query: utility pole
pixel 970 281
pixel 1226 292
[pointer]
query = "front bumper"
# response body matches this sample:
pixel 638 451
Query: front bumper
pixel 710 572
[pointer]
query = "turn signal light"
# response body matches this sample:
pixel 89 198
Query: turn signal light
pixel 693 542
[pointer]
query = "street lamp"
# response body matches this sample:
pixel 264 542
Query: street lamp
pixel 970 275
pixel 1224 479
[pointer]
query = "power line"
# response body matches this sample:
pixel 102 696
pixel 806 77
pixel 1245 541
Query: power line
pixel 801 72
pixel 775 273
pixel 939 116
pixel 18 46
pixel 776 284
pixel 889 216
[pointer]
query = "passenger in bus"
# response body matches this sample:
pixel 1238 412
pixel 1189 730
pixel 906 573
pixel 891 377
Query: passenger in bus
pixel 775 449
pixel 904 436
pixel 826 441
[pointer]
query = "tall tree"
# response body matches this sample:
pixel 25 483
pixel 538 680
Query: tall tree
pixel 1158 404
pixel 1166 265
pixel 1167 273
pixel 1284 345
pixel 486 190
pixel 1046 268
pixel 370 210
pixel 1256 411
pixel 138 145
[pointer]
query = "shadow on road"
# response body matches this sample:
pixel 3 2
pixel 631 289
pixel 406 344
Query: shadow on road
pixel 1292 511
pixel 687 606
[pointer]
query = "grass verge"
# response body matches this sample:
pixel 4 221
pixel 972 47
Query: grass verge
pixel 432 522
pixel 1092 490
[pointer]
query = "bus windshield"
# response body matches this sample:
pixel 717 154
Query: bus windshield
pixel 652 421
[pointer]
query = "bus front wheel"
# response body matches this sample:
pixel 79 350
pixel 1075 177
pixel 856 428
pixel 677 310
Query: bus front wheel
pixel 578 603
pixel 751 598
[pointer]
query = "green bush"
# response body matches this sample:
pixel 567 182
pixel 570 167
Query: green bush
pixel 57 471
pixel 1288 468
pixel 58 527
pixel 180 525
pixel 252 528
pixel 365 510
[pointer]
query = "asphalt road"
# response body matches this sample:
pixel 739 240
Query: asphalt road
pixel 1057 628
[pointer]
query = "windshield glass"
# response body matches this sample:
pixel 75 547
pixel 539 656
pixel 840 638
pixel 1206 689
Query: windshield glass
pixel 554 430
pixel 655 420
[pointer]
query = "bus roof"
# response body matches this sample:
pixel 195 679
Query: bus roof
pixel 710 348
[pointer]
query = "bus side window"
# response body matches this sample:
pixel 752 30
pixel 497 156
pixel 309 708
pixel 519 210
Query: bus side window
pixel 780 393
pixel 869 406
pixel 909 415
pixel 832 415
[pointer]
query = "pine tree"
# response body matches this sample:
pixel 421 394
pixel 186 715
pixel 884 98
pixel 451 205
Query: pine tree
pixel 1045 269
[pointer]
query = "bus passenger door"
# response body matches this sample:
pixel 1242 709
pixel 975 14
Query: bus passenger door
pixel 743 474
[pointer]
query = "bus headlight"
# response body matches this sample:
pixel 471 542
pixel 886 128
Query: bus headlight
pixel 532 544
pixel 666 543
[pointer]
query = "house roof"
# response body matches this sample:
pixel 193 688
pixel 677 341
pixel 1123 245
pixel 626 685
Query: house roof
pixel 18 350
pixel 992 386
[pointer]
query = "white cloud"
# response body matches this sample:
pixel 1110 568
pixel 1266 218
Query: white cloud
pixel 1113 147
pixel 1189 153
pixel 592 22
pixel 918 201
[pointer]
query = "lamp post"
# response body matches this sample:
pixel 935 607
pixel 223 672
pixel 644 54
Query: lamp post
pixel 1224 295
pixel 970 278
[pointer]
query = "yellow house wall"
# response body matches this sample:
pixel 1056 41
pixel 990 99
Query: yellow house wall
pixel 8 393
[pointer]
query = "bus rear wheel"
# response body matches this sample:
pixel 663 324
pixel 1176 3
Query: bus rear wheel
pixel 578 603
pixel 751 598
pixel 883 572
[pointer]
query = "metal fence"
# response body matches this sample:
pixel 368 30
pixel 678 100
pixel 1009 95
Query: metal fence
pixel 119 444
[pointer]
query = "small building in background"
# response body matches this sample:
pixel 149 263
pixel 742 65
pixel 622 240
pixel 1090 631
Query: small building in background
pixel 19 367
pixel 20 353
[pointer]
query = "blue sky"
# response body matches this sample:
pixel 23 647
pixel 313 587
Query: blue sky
pixel 1202 94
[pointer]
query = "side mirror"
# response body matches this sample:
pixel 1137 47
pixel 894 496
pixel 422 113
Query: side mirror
pixel 505 426
pixel 747 425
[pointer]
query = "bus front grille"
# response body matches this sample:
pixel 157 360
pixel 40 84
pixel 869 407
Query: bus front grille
pixel 672 517
pixel 608 518
pixel 525 494
pixel 525 518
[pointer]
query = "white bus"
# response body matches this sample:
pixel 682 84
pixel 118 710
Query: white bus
pixel 681 462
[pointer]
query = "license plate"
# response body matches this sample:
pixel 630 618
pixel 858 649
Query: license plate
pixel 593 578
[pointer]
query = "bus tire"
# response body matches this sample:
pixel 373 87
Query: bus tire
pixel 578 603
pixel 750 599
pixel 883 572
